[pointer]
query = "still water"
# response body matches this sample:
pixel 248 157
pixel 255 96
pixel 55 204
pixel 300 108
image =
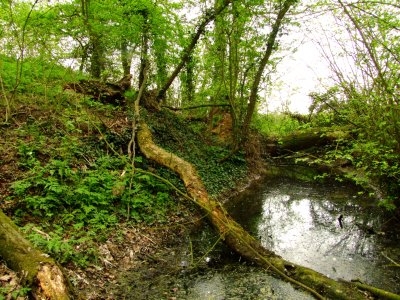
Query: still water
pixel 300 222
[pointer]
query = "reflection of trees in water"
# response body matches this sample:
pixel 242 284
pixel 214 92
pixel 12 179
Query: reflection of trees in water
pixel 355 236
pixel 291 208
pixel 301 224
pixel 280 212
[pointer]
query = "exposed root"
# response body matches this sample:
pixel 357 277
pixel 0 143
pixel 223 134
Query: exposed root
pixel 235 236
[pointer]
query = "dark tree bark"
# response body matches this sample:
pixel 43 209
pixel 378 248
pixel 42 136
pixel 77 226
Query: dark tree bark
pixel 96 56
pixel 95 45
pixel 126 58
pixel 189 81
pixel 36 269
pixel 209 17
pixel 271 42
pixel 144 55
pixel 106 92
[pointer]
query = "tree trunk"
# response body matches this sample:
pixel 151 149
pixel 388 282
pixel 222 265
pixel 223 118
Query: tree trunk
pixel 126 58
pixel 209 16
pixel 307 139
pixel 236 237
pixel 265 59
pixel 35 267
pixel 144 52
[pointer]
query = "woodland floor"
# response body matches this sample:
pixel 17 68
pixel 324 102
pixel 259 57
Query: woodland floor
pixel 128 246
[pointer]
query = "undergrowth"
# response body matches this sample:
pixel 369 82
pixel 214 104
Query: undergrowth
pixel 76 183
pixel 174 134
pixel 275 124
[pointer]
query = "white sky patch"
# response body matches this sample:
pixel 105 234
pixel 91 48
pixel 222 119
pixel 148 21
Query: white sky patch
pixel 305 70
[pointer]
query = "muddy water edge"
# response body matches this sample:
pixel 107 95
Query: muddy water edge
pixel 331 227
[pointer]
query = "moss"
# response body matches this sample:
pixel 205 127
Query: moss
pixel 174 134
pixel 18 252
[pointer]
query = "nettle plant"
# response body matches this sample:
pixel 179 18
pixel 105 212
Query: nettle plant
pixel 77 203
pixel 91 195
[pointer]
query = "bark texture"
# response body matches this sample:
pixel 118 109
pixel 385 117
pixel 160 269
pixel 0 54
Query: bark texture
pixel 236 237
pixel 307 139
pixel 36 269
pixel 186 53
pixel 106 92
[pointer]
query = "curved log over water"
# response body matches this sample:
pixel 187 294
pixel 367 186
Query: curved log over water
pixel 306 139
pixel 36 269
pixel 236 237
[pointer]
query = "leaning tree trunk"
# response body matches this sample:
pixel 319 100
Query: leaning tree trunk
pixel 36 268
pixel 187 52
pixel 236 237
pixel 303 140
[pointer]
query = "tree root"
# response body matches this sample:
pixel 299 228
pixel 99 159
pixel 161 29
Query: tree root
pixel 235 236
pixel 36 269
pixel 381 294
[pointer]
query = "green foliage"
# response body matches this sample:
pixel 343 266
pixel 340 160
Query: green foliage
pixel 39 76
pixel 373 162
pixel 378 162
pixel 366 99
pixel 275 124
pixel 88 196
pixel 83 203
pixel 183 139
pixel 6 292
pixel 78 248
pixel 77 190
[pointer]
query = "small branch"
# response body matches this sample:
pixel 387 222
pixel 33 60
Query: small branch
pixel 197 106
pixel 395 264
pixel 209 16
pixel 44 234
pixel 20 60
pixel 6 100
pixel 136 115
pixel 381 294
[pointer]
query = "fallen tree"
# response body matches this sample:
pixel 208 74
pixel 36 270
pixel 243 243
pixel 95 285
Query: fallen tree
pixel 36 269
pixel 106 92
pixel 307 139
pixel 241 241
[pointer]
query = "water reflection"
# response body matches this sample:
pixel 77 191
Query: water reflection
pixel 299 221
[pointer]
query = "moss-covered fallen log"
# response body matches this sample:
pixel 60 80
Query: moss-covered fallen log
pixel 38 271
pixel 306 139
pixel 106 92
pixel 236 237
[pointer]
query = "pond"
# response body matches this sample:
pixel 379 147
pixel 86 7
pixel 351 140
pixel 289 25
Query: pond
pixel 299 221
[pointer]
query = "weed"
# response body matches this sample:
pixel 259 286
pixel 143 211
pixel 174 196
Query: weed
pixel 275 124
pixel 173 134
pixel 92 198
pixel 6 292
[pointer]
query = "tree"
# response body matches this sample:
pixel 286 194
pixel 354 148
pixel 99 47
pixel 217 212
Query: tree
pixel 366 93
pixel 269 48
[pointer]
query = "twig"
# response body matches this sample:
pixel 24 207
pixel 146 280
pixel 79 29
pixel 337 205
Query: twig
pixel 395 264
pixel 44 234
pixel 196 106
pixel 136 116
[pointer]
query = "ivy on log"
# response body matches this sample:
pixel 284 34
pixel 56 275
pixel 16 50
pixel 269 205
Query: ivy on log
pixel 236 237
pixel 306 139
pixel 36 268
pixel 106 92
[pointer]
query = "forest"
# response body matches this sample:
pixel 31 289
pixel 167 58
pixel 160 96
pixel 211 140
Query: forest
pixel 127 124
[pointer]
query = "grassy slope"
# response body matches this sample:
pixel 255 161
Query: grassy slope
pixel 65 178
